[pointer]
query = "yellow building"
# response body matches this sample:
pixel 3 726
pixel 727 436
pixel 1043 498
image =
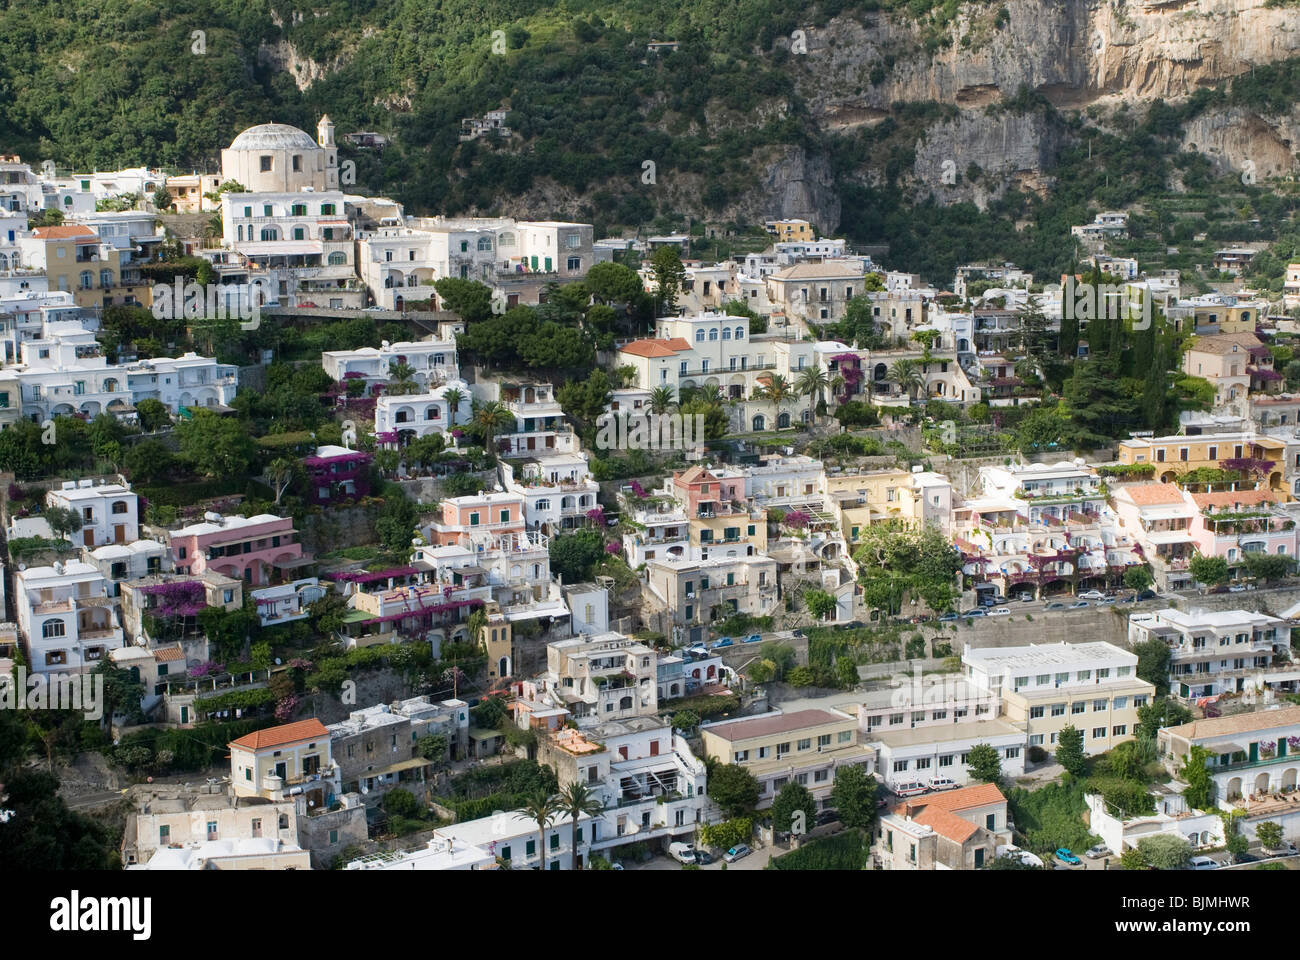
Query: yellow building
pixel 806 746
pixel 790 230
pixel 1176 455
pixel 744 533
pixel 77 261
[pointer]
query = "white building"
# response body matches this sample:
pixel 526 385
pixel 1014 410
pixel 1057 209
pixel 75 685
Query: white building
pixel 286 602
pixel 109 512
pixel 1213 652
pixel 277 157
pixel 66 615
pixel 434 362
pixel 421 414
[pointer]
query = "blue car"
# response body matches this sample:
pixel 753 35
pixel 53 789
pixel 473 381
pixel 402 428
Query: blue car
pixel 754 638
pixel 724 642
pixel 1065 856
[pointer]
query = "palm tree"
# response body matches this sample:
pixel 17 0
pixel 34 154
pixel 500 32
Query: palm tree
pixel 907 375
pixel 454 397
pixel 492 417
pixel 813 382
pixel 776 391
pixel 402 378
pixel 575 800
pixel 542 809
pixel 710 394
pixel 662 400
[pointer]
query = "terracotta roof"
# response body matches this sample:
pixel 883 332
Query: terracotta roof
pixel 1240 723
pixel 1151 494
pixel 1221 343
pixel 763 726
pixel 946 824
pixel 62 233
pixel 656 348
pixel 979 795
pixel 279 736
pixel 695 475
pixel 1231 498
pixel 168 654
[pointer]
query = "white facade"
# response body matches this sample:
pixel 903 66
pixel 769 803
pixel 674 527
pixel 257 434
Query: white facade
pixel 110 512
pixel 422 414
pixel 434 361
pixel 66 615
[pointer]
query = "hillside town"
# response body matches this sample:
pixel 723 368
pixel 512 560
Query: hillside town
pixel 390 542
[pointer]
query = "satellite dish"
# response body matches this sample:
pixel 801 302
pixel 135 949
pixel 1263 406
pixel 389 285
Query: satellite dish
pixel 277 661
pixel 140 640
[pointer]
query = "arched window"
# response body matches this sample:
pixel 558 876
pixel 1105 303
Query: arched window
pixel 740 333
pixel 485 243
pixel 87 280
pixel 338 258
pixel 625 703
pixel 759 422
pixel 726 333
pixel 119 506
pixel 270 233
pixel 432 413
pixel 106 278
pixel 699 336
pixel 52 628
pixel 713 333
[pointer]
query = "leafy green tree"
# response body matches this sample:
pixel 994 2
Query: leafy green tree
pixel 1069 751
pixel 401 803
pixel 1165 851
pixel 64 521
pixel 216 446
pixel 1138 578
pixel 820 603
pixel 1163 712
pixel 669 274
pixel 1210 571
pixel 853 795
pixel 733 789
pixel 1199 792
pixel 153 414
pixel 468 299
pixel 985 763
pixel 793 798
pixel 1131 859
pixel 613 283
pixel 1269 834
pixel 574 556
pixel 1153 663
pixel 433 747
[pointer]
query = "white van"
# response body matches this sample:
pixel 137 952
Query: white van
pixel 942 783
pixel 908 788
pixel 682 852
pixel 1202 863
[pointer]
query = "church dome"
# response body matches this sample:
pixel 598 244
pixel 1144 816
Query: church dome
pixel 273 136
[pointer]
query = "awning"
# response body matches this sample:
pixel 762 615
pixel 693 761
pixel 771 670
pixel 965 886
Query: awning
pixel 401 765
pixel 480 735
pixel 1225 748
pixel 280 248
pixel 294 563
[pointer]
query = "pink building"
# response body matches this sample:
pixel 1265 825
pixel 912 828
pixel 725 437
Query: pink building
pixel 1234 523
pixel 704 494
pixel 259 550
pixel 494 513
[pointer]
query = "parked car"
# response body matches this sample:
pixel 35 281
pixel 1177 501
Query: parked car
pixel 796 632
pixel 1105 601
pixel 616 865
pixel 976 612
pixel 999 612
pixel 1077 605
pixel 948 617
pixel 942 783
pixel 1202 863
pixel 703 858
pixel 737 853
pixel 908 788
pixel 682 852
pixel 992 600
pixel 826 816
pixel 1055 606
pixel 1146 595
pixel 1024 856
pixel 754 638
pixel 1064 856
pixel 1092 595
pixel 1097 852
pixel 1026 598
pixel 724 642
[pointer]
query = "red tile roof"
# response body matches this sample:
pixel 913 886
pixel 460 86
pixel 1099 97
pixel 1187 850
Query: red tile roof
pixel 765 726
pixel 282 735
pixel 946 824
pixel 62 233
pixel 1233 498
pixel 1151 494
pixel 656 348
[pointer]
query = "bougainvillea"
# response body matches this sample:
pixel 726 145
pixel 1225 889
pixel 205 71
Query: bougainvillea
pixel 613 548
pixel 285 709
pixel 797 519
pixel 183 598
pixel 597 516
pixel 208 669
pixel 638 491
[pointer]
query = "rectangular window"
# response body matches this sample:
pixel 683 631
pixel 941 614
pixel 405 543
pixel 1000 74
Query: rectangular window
pixel 1079 707
pixel 923 763
pixel 1058 709
pixel 1099 706
pixel 1035 713
pixel 1036 740
pixel 945 760
pixel 1121 730
pixel 1099 733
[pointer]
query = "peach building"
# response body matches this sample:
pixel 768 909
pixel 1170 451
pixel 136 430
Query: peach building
pixel 495 513
pixel 260 550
